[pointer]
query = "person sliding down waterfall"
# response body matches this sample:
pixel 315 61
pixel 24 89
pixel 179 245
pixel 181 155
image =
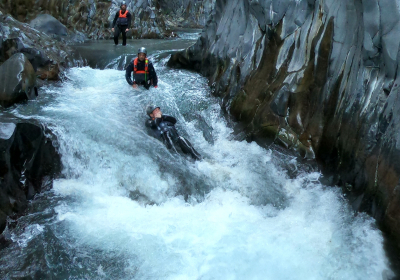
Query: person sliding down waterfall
pixel 123 20
pixel 163 128
pixel 143 71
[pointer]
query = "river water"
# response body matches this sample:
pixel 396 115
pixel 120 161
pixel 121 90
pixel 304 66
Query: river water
pixel 128 208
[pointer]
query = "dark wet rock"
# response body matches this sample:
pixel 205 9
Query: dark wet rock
pixel 49 25
pixel 28 159
pixel 48 56
pixel 317 77
pixel 3 222
pixel 17 80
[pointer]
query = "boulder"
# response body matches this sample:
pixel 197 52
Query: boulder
pixel 28 163
pixel 49 25
pixel 48 56
pixel 3 221
pixel 17 80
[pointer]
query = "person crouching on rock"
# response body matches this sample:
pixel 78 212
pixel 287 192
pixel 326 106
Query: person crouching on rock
pixel 123 20
pixel 163 128
pixel 143 71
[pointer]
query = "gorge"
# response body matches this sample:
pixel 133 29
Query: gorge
pixel 318 78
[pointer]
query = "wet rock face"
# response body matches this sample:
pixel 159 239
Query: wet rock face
pixel 320 77
pixel 17 80
pixel 28 163
pixel 87 16
pixel 186 13
pixel 93 18
pixel 157 18
pixel 48 56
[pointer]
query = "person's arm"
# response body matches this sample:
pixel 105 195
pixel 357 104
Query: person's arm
pixel 169 119
pixel 153 75
pixel 128 74
pixel 129 17
pixel 153 123
pixel 150 123
pixel 115 19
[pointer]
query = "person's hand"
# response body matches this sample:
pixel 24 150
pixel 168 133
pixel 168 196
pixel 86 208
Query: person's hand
pixel 112 29
pixel 135 86
pixel 155 86
pixel 127 30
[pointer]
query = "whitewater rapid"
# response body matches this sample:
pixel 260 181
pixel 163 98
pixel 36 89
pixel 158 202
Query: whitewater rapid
pixel 128 208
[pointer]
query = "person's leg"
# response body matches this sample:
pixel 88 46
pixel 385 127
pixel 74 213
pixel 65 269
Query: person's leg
pixel 123 30
pixel 116 34
pixel 167 140
pixel 146 85
pixel 187 148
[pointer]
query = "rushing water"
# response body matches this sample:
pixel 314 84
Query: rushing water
pixel 128 208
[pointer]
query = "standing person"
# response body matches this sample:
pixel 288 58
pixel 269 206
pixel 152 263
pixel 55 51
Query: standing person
pixel 143 71
pixel 123 20
pixel 163 128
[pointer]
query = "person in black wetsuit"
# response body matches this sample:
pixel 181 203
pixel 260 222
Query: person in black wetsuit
pixel 143 71
pixel 163 128
pixel 123 20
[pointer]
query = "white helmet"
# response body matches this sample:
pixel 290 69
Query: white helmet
pixel 142 50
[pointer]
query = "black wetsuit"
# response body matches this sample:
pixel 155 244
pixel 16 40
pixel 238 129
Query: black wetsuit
pixel 151 80
pixel 120 25
pixel 164 129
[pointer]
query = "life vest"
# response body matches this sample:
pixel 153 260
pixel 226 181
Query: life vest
pixel 122 18
pixel 121 15
pixel 140 75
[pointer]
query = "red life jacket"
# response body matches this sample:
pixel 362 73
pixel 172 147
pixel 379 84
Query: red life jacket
pixel 140 75
pixel 122 18
pixel 121 15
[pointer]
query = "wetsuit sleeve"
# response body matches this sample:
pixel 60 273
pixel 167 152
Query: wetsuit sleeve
pixel 115 19
pixel 128 73
pixel 129 16
pixel 169 119
pixel 152 74
pixel 149 123
pixel 153 123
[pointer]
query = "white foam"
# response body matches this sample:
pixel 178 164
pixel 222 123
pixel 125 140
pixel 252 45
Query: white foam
pixel 253 223
pixel 224 237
